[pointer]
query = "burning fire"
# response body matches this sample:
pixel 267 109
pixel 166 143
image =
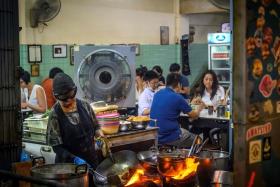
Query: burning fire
pixel 135 177
pixel 185 171
pixel 140 177
pixel 190 168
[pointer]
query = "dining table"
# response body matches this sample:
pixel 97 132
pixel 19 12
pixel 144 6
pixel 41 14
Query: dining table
pixel 207 122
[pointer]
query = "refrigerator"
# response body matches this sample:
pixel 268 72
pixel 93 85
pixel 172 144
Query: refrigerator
pixel 219 58
pixel 256 93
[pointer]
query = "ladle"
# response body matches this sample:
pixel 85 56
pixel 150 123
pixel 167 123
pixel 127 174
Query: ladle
pixel 201 146
pixel 193 145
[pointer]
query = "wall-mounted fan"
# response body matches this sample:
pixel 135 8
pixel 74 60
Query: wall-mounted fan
pixel 223 4
pixel 43 11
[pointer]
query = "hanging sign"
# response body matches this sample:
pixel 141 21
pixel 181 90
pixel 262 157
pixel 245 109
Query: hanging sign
pixel 216 38
pixel 255 151
pixel 258 130
pixel 266 151
pixel 220 56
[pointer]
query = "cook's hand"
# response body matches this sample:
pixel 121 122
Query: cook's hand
pixel 24 105
pixel 100 133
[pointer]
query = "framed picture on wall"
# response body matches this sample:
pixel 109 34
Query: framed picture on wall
pixel 60 51
pixel 34 53
pixel 136 48
pixel 35 70
pixel 72 55
pixel 164 35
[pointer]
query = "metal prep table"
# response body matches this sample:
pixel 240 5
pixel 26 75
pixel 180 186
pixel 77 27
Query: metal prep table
pixel 138 140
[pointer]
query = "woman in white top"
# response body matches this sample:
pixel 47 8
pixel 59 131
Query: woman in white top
pixel 36 95
pixel 210 91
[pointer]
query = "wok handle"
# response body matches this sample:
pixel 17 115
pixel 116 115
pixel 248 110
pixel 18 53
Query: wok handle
pixel 81 169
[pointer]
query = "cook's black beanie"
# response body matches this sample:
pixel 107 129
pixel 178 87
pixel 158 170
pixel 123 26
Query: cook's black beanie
pixel 62 84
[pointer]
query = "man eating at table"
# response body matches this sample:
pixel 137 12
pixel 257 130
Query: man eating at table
pixel 166 108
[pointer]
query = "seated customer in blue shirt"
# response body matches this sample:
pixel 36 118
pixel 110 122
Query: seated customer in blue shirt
pixel 166 108
pixel 184 82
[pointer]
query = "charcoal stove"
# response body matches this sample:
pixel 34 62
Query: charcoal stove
pixel 189 182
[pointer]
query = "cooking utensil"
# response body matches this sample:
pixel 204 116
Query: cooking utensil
pixel 66 173
pixel 148 160
pixel 201 146
pixel 139 125
pixel 193 144
pixel 123 161
pixel 209 162
pixel 169 164
pixel 125 126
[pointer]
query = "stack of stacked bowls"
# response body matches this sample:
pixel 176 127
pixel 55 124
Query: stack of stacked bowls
pixel 109 122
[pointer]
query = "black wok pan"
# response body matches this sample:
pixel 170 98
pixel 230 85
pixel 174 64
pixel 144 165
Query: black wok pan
pixel 112 171
pixel 148 160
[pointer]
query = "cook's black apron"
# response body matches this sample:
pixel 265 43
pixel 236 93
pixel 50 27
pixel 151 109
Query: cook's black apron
pixel 78 139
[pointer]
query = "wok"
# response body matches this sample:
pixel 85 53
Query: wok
pixel 113 171
pixel 148 160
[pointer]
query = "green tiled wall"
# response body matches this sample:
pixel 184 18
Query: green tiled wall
pixel 47 63
pixel 150 55
pixel 198 56
pixel 163 55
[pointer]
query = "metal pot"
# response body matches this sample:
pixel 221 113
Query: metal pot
pixel 219 159
pixel 210 161
pixel 66 173
pixel 169 164
pixel 140 125
pixel 125 126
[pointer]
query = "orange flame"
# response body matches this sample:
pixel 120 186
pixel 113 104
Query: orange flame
pixel 140 177
pixel 135 177
pixel 190 168
pixel 179 173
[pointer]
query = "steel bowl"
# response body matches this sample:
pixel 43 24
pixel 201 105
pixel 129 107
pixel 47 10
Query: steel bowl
pixel 139 125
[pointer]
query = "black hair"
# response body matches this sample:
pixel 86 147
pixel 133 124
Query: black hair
pixel 215 84
pixel 174 67
pixel 21 71
pixel 158 69
pixel 172 80
pixel 62 83
pixel 54 71
pixel 150 75
pixel 140 72
pixel 25 76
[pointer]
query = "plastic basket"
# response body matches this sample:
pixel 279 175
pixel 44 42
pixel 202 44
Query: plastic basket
pixel 41 123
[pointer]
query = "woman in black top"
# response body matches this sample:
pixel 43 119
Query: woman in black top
pixel 72 124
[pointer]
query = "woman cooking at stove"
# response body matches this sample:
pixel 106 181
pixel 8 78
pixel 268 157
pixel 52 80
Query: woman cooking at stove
pixel 209 92
pixel 72 124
